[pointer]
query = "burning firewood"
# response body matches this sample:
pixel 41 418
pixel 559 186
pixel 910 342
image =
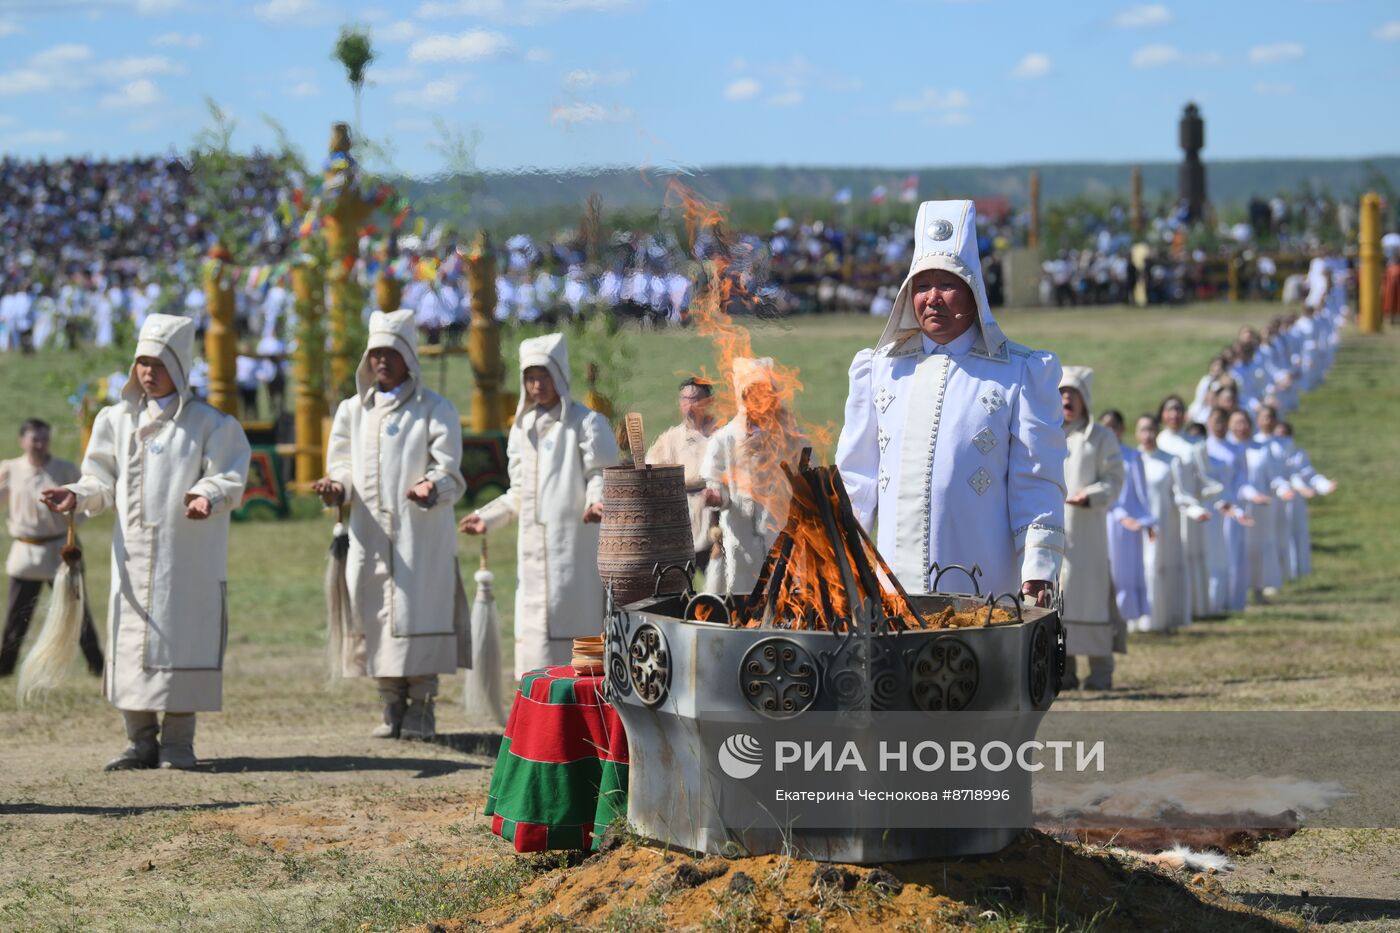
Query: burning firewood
pixel 823 572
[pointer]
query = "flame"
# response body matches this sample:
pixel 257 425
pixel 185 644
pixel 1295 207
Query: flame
pixel 764 398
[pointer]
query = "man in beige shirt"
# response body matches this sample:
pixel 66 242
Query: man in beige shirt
pixel 685 445
pixel 37 540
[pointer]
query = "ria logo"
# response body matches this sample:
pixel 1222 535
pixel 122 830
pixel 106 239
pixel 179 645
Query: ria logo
pixel 740 756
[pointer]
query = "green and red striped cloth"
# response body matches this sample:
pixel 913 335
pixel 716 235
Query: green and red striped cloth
pixel 561 775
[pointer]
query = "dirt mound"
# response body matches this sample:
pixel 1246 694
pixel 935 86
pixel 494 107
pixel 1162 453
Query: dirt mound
pixel 1037 880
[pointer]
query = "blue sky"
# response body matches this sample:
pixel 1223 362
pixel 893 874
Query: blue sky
pixel 662 83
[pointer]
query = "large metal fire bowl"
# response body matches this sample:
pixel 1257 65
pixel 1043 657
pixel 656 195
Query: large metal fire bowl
pixel 665 672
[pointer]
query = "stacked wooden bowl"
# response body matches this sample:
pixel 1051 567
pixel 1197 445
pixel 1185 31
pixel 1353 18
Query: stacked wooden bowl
pixel 588 656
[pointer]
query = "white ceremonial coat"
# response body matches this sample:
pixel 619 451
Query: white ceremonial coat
pixel 957 454
pixel 1260 538
pixel 1094 465
pixel 1304 476
pixel 556 459
pixel 1168 582
pixel 405 592
pixel 21 482
pixel 748 528
pixel 1226 471
pixel 167 617
pixel 1124 546
pixel 1194 495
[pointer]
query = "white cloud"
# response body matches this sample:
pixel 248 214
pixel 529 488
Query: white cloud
pixel 6 120
pixel 9 27
pixel 472 45
pixel 282 11
pixel 1143 16
pixel 574 114
pixel 436 93
pixel 742 89
pixel 785 99
pixel 1034 65
pixel 401 31
pixel 413 124
pixel 581 78
pixel 1155 56
pixel 518 12
pixel 1160 55
pixel 1388 32
pixel 61 56
pixel 1277 52
pixel 127 69
pixel 36 138
pixel 139 93
pixel 1279 88
pixel 956 118
pixel 305 89
pixel 157 7
pixel 932 99
pixel 408 74
pixel 191 40
pixel 538 55
pixel 24 81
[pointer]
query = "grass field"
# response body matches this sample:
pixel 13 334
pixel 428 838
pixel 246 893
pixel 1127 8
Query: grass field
pixel 301 822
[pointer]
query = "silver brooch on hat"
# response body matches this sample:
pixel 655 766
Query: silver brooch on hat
pixel 940 230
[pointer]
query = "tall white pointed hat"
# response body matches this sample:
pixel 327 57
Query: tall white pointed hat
pixel 945 237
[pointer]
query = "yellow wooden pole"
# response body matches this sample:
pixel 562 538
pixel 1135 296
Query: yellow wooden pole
pixel 220 341
pixel 1033 234
pixel 484 338
pixel 1137 203
pixel 1369 279
pixel 388 291
pixel 1232 276
pixel 309 370
pixel 342 228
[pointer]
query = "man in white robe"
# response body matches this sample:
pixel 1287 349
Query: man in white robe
pixel 952 440
pixel 1094 473
pixel 395 457
pixel 685 444
pixel 557 450
pixel 744 478
pixel 173 467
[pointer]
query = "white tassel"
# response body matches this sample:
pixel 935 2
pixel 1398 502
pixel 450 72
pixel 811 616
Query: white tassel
pixel 481 688
pixel 1180 857
pixel 48 663
pixel 339 640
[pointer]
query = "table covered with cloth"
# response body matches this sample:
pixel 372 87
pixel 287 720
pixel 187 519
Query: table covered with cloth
pixel 561 775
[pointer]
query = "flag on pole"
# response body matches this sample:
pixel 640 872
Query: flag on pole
pixel 842 197
pixel 878 194
pixel 909 191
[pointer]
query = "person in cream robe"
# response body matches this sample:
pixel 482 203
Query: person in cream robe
pixel 172 467
pixel 557 450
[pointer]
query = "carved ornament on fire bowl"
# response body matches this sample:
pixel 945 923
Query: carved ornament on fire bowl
pixel 778 678
pixel 944 675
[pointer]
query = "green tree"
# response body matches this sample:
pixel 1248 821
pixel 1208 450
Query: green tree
pixel 354 50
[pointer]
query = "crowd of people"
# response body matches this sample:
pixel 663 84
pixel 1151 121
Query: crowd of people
pixel 1210 510
pixel 958 446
